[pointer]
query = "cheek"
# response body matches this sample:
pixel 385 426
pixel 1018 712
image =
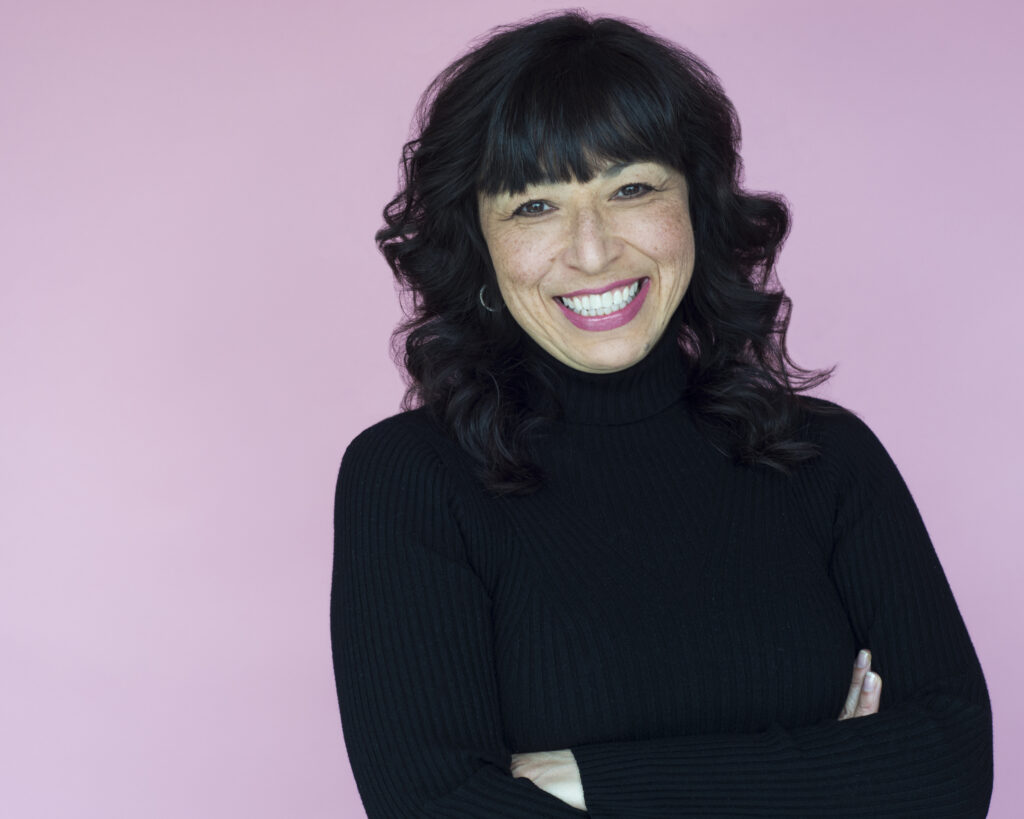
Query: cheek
pixel 670 241
pixel 516 264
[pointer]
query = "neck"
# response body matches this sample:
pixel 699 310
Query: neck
pixel 646 388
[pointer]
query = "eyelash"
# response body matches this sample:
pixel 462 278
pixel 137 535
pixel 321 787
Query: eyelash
pixel 644 189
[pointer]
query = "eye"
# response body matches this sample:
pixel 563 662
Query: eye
pixel 535 207
pixel 633 191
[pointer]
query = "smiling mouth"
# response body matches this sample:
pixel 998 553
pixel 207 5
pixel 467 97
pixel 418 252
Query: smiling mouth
pixel 602 304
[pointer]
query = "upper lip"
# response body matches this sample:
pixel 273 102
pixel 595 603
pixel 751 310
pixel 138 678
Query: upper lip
pixel 596 290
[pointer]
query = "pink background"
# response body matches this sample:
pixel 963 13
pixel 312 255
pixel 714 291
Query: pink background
pixel 195 323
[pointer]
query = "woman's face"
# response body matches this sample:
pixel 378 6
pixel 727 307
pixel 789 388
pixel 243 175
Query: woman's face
pixel 594 271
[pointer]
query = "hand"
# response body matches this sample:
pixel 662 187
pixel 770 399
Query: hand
pixel 555 772
pixel 865 689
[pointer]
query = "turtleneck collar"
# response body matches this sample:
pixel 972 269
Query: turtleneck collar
pixel 653 384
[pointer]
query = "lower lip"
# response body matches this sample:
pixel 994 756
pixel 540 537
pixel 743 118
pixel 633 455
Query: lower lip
pixel 612 320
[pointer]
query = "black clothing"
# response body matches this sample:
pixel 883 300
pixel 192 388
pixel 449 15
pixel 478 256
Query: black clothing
pixel 687 626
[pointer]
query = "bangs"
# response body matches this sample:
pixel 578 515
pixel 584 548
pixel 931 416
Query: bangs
pixel 568 115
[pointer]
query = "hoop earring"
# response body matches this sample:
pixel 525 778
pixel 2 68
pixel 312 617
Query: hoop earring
pixel 483 303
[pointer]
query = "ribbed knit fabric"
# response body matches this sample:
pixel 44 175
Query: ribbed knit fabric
pixel 686 626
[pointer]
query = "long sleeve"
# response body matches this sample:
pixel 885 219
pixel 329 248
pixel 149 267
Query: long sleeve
pixel 413 645
pixel 927 753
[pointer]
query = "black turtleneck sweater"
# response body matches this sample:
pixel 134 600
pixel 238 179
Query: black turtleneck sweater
pixel 685 625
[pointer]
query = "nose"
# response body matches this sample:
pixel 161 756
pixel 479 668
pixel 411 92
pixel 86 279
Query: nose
pixel 591 246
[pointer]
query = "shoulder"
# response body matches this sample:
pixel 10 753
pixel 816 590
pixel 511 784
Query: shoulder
pixel 839 430
pixel 852 454
pixel 396 483
pixel 407 436
pixel 397 451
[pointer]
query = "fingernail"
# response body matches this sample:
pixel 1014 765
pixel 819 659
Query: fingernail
pixel 863 658
pixel 870 681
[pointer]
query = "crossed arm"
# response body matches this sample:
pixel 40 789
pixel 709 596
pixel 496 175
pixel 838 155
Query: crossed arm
pixel 557 773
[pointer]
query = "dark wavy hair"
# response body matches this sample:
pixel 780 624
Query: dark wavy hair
pixel 555 99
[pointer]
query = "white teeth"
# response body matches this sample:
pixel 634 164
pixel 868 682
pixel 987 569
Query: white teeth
pixel 602 304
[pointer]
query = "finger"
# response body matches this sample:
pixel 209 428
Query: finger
pixel 870 695
pixel 860 668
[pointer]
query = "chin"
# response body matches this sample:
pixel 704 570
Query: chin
pixel 612 361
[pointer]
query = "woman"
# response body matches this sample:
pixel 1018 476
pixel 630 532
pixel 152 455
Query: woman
pixel 614 561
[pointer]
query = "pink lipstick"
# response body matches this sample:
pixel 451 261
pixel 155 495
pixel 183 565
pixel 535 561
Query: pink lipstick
pixel 615 319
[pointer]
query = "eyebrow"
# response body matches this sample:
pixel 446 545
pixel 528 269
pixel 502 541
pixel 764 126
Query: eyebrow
pixel 615 170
